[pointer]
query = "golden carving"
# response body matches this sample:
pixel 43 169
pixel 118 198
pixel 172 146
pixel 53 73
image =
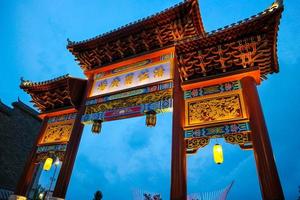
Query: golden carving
pixel 238 138
pixel 57 133
pixel 205 110
pixel 159 72
pixel 131 101
pixel 41 157
pixel 197 143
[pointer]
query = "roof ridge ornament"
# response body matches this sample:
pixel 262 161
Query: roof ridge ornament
pixel 280 2
pixel 31 83
pixel 132 23
pixel 277 4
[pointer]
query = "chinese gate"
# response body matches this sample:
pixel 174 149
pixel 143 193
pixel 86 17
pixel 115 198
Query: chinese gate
pixel 164 63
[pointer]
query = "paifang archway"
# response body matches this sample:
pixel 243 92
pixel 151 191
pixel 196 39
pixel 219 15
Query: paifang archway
pixel 166 62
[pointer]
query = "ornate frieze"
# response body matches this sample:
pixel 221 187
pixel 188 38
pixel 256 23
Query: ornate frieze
pixel 137 76
pixel 218 131
pixel 130 101
pixel 238 138
pixel 51 148
pixel 41 157
pixel 61 118
pixel 232 133
pixel 138 110
pixel 192 145
pixel 214 109
pixel 219 88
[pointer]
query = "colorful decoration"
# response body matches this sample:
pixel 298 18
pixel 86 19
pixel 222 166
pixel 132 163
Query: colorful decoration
pixel 238 133
pixel 44 149
pixel 138 110
pixel 41 157
pixel 214 89
pixel 136 77
pixel 202 110
pixel 218 131
pixel 153 88
pixel 130 101
pixel 61 118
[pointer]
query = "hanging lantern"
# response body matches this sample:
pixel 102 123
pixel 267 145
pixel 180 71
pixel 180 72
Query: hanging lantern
pixel 56 162
pixel 151 118
pixel 96 128
pixel 218 154
pixel 48 164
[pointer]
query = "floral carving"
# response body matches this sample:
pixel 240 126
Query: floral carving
pixel 131 101
pixel 214 109
pixel 57 133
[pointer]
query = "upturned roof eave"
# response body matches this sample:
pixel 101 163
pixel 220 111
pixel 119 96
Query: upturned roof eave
pixel 123 31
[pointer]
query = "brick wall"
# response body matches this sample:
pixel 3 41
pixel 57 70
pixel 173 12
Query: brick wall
pixel 19 127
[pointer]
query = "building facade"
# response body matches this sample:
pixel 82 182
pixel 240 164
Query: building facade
pixel 19 127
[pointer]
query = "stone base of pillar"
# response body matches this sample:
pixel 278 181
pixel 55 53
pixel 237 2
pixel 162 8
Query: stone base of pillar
pixel 17 197
pixel 55 198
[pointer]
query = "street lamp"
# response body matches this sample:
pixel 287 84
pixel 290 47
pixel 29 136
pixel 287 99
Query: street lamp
pixel 52 179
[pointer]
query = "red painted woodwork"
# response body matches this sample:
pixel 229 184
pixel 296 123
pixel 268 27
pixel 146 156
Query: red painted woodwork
pixel 25 180
pixel 266 167
pixel 178 165
pixel 72 148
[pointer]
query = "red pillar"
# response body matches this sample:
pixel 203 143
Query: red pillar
pixel 178 165
pixel 268 176
pixel 64 176
pixel 28 171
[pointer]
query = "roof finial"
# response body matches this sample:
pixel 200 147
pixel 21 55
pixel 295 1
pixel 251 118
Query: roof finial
pixel 280 2
pixel 69 41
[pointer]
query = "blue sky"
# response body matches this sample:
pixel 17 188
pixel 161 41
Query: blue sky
pixel 127 155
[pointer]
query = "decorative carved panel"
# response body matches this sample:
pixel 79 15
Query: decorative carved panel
pixel 238 138
pixel 131 101
pixel 214 109
pixel 196 143
pixel 57 133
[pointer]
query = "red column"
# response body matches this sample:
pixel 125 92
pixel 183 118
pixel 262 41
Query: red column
pixel 27 175
pixel 72 148
pixel 268 176
pixel 178 168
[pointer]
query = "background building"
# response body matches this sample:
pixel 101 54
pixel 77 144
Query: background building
pixel 19 127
